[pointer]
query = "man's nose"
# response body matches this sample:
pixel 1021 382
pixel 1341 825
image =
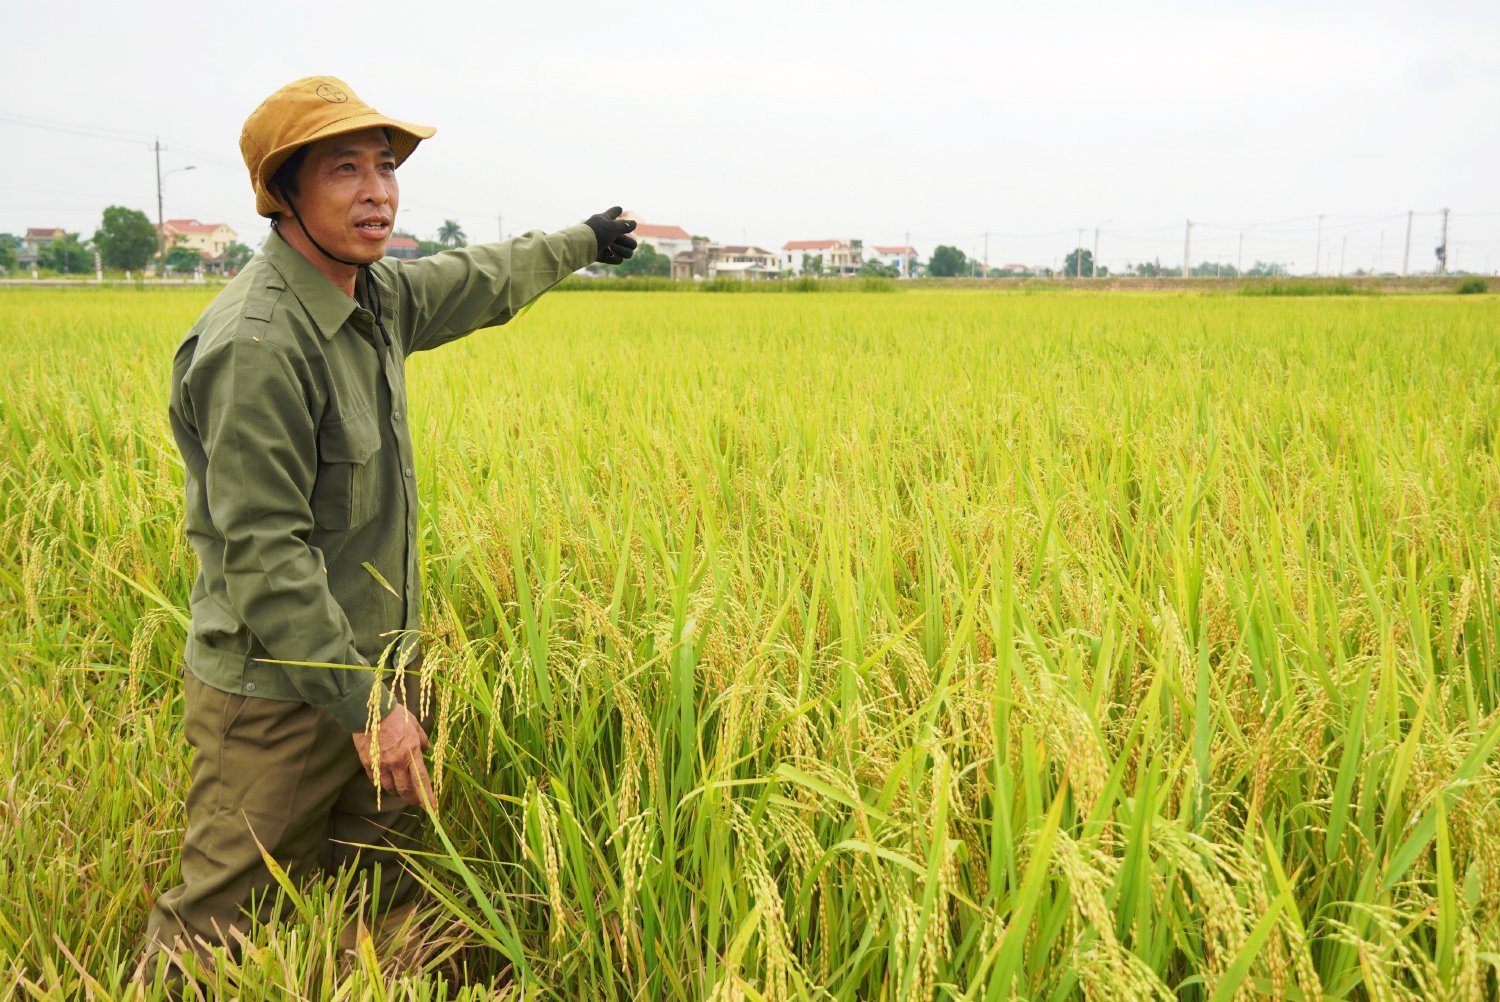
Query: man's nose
pixel 374 189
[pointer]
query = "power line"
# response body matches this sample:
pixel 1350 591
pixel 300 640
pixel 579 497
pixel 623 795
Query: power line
pixel 98 131
pixel 128 137
pixel 70 131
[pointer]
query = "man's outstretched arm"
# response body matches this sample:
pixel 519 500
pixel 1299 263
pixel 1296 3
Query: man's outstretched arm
pixel 457 292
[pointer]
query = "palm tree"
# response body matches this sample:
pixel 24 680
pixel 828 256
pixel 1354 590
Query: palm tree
pixel 450 234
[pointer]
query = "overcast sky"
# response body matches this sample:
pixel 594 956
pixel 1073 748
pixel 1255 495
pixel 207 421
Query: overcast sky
pixel 775 121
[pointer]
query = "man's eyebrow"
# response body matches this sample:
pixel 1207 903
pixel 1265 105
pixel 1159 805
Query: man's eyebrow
pixel 343 154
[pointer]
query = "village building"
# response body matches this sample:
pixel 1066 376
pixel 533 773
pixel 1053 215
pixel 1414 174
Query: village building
pixel 840 257
pixel 402 248
pixel 700 261
pixel 37 238
pixel 210 240
pixel 749 263
pixel 666 240
pixel 900 258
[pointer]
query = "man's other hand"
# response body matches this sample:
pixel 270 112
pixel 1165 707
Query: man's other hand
pixel 402 741
pixel 609 229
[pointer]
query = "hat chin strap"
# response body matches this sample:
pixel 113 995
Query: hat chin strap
pixel 285 197
pixel 372 285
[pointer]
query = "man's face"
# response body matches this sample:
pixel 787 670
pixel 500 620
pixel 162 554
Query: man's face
pixel 347 194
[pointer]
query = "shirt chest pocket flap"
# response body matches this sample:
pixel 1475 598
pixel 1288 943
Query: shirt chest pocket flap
pixel 345 491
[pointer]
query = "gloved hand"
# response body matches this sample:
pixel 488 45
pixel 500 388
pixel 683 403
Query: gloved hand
pixel 609 229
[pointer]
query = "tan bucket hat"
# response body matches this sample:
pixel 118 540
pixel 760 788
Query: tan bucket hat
pixel 303 112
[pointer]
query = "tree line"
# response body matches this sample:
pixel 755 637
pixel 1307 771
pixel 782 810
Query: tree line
pixel 950 262
pixel 125 240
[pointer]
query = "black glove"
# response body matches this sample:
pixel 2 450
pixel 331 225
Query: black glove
pixel 609 229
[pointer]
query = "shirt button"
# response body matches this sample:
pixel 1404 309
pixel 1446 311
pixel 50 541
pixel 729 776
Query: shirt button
pixel 407 471
pixel 249 686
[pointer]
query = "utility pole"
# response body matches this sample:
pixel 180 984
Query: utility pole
pixel 1094 261
pixel 986 255
pixel 1343 249
pixel 906 257
pixel 1187 251
pixel 161 234
pixel 1406 258
pixel 1318 256
pixel 161 225
pixel 1380 255
pixel 1442 249
pixel 1078 255
pixel 1239 260
pixel 500 227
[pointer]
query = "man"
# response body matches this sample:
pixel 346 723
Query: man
pixel 288 403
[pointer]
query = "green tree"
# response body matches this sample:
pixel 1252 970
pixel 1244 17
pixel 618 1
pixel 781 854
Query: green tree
pixel 183 259
pixel 126 239
pixel 947 262
pixel 645 261
pixel 450 234
pixel 875 269
pixel 812 264
pixel 10 248
pixel 67 255
pixel 237 255
pixel 1079 263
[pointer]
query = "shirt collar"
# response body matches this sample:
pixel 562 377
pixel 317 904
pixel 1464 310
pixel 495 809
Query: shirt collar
pixel 323 301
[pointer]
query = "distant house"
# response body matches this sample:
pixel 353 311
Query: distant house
pixel 840 257
pixel 752 263
pixel 210 240
pixel 900 258
pixel 701 260
pixel 750 255
pixel 36 238
pixel 401 248
pixel 667 240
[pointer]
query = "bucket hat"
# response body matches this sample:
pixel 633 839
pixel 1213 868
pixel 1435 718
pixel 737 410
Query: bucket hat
pixel 303 112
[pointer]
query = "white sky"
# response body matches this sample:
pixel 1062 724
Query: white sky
pixel 772 121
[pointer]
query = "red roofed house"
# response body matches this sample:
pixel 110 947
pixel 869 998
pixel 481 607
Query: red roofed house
pixel 210 240
pixel 898 257
pixel 402 248
pixel 32 243
pixel 668 240
pixel 840 257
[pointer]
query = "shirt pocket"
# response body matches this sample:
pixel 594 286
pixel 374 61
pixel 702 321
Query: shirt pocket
pixel 345 491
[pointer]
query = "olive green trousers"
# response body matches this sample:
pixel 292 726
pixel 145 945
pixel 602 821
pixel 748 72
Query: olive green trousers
pixel 287 775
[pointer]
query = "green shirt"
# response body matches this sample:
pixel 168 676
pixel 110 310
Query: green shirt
pixel 290 412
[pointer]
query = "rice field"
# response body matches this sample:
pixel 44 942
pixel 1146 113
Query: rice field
pixel 932 645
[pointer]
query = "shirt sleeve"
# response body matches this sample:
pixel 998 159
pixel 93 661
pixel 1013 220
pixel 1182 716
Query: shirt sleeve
pixel 456 292
pixel 260 442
